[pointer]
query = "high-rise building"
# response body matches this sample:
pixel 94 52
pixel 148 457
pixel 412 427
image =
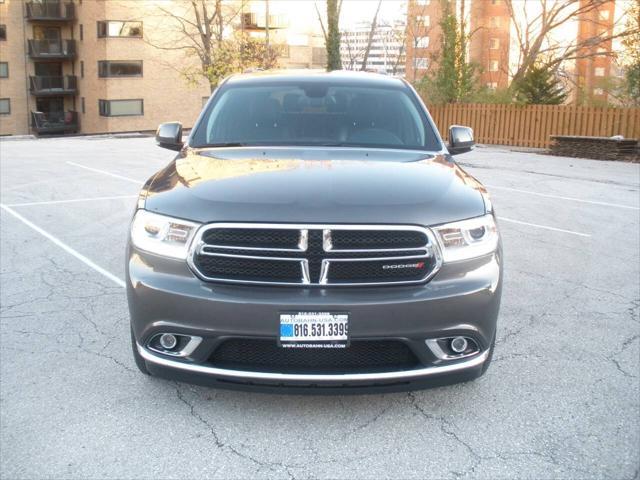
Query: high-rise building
pixel 591 72
pixel 386 54
pixel 493 43
pixel 423 36
pixel 489 44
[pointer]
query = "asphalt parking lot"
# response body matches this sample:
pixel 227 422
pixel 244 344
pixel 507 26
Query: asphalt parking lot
pixel 561 399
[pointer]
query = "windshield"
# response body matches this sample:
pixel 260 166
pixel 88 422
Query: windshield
pixel 315 114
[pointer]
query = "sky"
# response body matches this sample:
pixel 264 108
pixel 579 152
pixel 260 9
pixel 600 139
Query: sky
pixel 353 11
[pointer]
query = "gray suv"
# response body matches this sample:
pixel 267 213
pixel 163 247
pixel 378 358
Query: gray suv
pixel 314 233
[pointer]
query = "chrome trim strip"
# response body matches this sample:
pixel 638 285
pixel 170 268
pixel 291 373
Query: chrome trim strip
pixel 189 348
pixel 252 249
pixel 324 272
pixel 327 246
pixel 433 249
pixel 312 378
pixel 303 243
pixel 251 257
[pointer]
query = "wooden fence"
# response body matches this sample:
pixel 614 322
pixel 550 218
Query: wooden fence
pixel 531 125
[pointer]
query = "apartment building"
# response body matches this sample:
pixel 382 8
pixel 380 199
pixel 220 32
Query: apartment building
pixel 490 23
pixel 87 67
pixel 96 66
pixel 493 45
pixel 423 37
pixel 488 46
pixel 386 54
pixel 591 72
pixel 290 26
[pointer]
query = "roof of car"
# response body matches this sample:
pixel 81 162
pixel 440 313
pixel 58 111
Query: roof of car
pixel 337 77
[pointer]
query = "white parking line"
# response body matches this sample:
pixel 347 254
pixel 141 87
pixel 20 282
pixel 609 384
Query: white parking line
pixel 64 246
pixel 572 199
pixel 544 227
pixel 104 172
pixel 72 200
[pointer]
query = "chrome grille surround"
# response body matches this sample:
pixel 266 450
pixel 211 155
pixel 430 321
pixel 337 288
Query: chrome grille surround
pixel 431 250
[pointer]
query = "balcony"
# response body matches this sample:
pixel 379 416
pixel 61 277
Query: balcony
pixel 42 86
pixel 255 22
pixel 51 11
pixel 55 122
pixel 52 49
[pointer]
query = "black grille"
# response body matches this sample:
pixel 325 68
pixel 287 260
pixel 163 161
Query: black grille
pixel 222 251
pixel 378 270
pixel 253 237
pixel 359 357
pixel 249 269
pixel 376 239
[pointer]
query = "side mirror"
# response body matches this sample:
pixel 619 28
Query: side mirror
pixel 169 135
pixel 460 139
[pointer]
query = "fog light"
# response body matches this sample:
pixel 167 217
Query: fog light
pixel 459 344
pixel 168 341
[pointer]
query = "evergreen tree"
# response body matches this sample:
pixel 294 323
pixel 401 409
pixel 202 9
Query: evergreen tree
pixel 539 85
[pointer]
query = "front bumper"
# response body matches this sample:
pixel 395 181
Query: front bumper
pixel 462 299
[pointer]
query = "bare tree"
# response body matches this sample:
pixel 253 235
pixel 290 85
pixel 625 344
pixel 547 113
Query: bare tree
pixel 534 33
pixel 207 30
pixel 372 32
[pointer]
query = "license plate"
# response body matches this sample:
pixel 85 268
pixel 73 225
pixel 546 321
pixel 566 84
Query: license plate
pixel 314 330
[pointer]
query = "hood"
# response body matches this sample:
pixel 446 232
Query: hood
pixel 315 185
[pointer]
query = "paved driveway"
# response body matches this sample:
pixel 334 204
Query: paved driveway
pixel 561 399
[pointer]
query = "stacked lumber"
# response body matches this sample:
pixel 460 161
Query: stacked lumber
pixel 599 148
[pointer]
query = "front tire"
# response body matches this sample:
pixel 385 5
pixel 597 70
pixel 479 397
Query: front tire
pixel 140 363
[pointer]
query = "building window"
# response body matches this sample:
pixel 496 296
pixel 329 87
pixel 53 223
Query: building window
pixel 112 28
pixel 5 106
pixel 4 70
pixel 3 32
pixel 494 22
pixel 81 68
pixel 120 108
pixel 492 85
pixel 599 72
pixel 494 43
pixel 120 68
pixel 81 32
pixel 424 20
pixel 423 3
pixel 422 42
pixel 495 2
pixel 604 14
pixel 83 105
pixel 598 91
pixel 422 63
pixel 493 65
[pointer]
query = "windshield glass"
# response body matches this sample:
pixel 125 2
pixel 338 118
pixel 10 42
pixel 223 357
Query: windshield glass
pixel 315 114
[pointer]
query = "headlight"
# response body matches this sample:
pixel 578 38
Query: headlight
pixel 468 238
pixel 166 236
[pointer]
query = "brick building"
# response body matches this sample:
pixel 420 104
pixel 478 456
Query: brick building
pixel 492 44
pixel 93 66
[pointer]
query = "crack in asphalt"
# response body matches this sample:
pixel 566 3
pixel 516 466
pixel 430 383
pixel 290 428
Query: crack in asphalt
pixel 225 446
pixel 623 347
